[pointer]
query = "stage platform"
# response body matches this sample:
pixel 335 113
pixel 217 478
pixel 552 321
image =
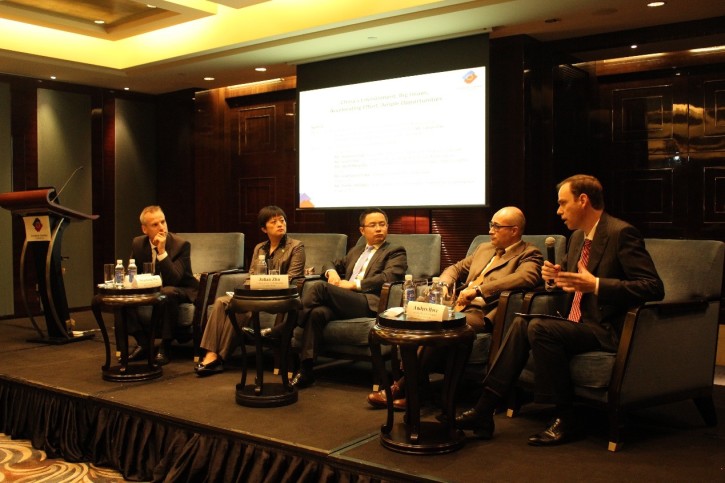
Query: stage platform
pixel 183 428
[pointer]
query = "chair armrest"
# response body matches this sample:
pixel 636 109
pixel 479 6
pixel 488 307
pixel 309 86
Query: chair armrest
pixel 509 302
pixel 541 301
pixel 665 348
pixel 383 303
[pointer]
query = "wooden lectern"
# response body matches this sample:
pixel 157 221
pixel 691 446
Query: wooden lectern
pixel 47 257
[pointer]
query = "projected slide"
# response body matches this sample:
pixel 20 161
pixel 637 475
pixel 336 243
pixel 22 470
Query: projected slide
pixel 410 141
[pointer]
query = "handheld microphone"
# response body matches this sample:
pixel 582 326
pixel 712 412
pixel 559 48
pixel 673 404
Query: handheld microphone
pixel 57 193
pixel 551 257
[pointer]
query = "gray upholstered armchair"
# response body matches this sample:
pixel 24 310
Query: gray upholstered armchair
pixel 348 339
pixel 667 349
pixel 211 253
pixel 486 345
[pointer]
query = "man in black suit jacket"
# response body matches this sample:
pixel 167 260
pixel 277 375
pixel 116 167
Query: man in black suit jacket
pixel 171 258
pixel 353 286
pixel 606 270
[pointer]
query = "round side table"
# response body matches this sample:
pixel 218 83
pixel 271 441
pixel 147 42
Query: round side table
pixel 120 300
pixel 280 302
pixel 413 436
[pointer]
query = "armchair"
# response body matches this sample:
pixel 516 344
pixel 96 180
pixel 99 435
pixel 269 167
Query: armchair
pixel 348 339
pixel 667 349
pixel 211 253
pixel 485 346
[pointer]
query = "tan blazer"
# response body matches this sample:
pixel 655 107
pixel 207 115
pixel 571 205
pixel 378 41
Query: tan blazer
pixel 519 268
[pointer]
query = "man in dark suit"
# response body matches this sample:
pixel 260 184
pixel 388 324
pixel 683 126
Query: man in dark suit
pixel 353 286
pixel 506 263
pixel 606 270
pixel 170 256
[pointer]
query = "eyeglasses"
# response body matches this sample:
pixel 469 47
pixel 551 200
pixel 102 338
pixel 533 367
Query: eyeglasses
pixel 496 227
pixel 381 224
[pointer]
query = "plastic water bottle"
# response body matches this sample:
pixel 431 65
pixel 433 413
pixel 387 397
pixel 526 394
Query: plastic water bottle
pixel 261 268
pixel 132 270
pixel 118 274
pixel 435 294
pixel 409 293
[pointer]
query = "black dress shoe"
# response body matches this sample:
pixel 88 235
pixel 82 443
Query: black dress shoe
pixel 303 379
pixel 214 367
pixel 481 423
pixel 138 353
pixel 560 431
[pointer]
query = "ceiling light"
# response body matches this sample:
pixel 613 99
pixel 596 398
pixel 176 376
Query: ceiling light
pixel 52 77
pixel 633 46
pixel 260 69
pixel 208 78
pixel 126 88
pixel 150 6
pixel 655 4
pixel 99 22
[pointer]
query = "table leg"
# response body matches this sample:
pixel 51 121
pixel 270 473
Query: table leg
pixel 289 326
pixel 232 318
pixel 98 314
pixel 259 380
pixel 409 354
pixel 456 361
pixel 379 367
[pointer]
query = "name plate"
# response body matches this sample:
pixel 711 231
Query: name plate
pixel 426 311
pixel 268 282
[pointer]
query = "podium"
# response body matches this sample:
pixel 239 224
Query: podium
pixel 40 203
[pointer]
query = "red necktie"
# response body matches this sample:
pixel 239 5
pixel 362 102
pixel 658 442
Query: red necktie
pixel 576 311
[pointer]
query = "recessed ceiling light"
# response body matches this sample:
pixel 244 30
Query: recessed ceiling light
pixel 150 6
pixel 99 22
pixel 655 4
pixel 52 77
pixel 633 46
pixel 260 69
pixel 126 88
pixel 208 78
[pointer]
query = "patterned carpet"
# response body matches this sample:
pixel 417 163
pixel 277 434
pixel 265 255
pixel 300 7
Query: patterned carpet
pixel 20 462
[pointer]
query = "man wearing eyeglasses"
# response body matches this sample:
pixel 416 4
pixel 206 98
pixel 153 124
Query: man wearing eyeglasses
pixel 607 270
pixel 506 263
pixel 353 286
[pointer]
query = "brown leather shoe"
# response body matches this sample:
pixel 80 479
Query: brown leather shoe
pixel 378 399
pixel 399 404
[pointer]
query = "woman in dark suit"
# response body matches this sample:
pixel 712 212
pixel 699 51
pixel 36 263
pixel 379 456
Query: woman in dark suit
pixel 281 253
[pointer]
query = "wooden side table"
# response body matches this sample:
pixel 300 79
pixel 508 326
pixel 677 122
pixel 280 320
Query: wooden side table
pixel 120 300
pixel 412 436
pixel 285 301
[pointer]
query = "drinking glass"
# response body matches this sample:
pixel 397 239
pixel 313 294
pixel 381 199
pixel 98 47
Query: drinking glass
pixel 449 296
pixel 109 271
pixel 274 272
pixel 148 267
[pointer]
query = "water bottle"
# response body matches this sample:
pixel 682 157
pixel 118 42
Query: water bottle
pixel 409 293
pixel 118 274
pixel 435 294
pixel 261 268
pixel 132 270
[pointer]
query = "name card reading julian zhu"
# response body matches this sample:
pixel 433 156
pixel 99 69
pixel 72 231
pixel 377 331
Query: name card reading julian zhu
pixel 268 282
pixel 426 311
